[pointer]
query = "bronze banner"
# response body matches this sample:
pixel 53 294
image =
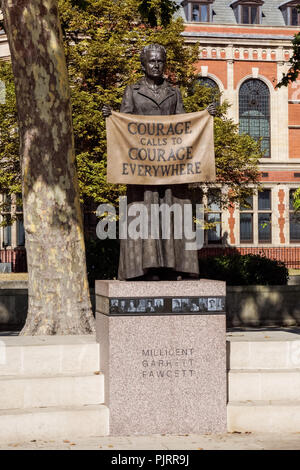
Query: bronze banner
pixel 155 150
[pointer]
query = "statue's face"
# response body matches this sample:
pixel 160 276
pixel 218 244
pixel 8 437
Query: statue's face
pixel 154 64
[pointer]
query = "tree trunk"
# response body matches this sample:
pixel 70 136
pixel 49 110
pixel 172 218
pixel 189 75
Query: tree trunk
pixel 59 301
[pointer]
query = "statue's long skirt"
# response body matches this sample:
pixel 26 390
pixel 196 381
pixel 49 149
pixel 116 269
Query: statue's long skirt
pixel 138 255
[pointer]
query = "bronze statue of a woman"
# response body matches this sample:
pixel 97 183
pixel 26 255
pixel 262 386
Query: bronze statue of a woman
pixel 154 259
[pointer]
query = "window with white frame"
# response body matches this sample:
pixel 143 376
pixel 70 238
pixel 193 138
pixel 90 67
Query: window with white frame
pixel 6 208
pixel 291 13
pixel 214 217
pixel 13 233
pixel 20 221
pixel 198 11
pixel 247 11
pixel 264 216
pixel 256 218
pixel 20 231
pixel 294 220
pixel 246 221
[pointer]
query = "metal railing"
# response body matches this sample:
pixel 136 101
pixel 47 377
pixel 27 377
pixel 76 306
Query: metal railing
pixel 17 258
pixel 289 255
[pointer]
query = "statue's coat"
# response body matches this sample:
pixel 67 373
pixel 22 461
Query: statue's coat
pixel 136 256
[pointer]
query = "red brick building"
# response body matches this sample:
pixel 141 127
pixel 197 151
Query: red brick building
pixel 245 47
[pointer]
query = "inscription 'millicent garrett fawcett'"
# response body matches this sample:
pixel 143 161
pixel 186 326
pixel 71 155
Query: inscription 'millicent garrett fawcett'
pixel 177 362
pixel 168 352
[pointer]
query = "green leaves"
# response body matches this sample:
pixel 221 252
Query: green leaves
pixel 157 12
pixel 239 270
pixel 10 174
pixel 296 201
pixel 294 70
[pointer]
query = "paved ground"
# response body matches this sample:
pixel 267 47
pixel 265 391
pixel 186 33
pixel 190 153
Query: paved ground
pixel 235 441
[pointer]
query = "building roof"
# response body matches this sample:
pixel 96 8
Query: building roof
pixel 223 13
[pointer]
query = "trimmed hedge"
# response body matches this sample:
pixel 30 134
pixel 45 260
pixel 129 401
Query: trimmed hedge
pixel 102 258
pixel 240 270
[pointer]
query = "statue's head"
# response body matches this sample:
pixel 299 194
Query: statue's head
pixel 153 60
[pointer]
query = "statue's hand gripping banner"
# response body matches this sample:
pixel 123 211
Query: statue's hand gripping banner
pixel 156 150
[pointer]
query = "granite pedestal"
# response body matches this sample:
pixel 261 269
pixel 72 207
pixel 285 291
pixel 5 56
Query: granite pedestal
pixel 163 355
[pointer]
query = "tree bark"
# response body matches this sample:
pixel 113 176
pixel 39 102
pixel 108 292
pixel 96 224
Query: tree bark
pixel 59 301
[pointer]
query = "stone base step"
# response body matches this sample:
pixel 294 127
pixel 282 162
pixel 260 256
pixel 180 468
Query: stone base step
pixel 246 385
pixel 48 355
pixel 268 349
pixel 53 423
pixel 45 391
pixel 263 416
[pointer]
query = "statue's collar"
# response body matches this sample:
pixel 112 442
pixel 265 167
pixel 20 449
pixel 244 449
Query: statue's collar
pixel 142 83
pixel 166 91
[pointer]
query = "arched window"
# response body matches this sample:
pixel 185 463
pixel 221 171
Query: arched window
pixel 211 84
pixel 254 109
